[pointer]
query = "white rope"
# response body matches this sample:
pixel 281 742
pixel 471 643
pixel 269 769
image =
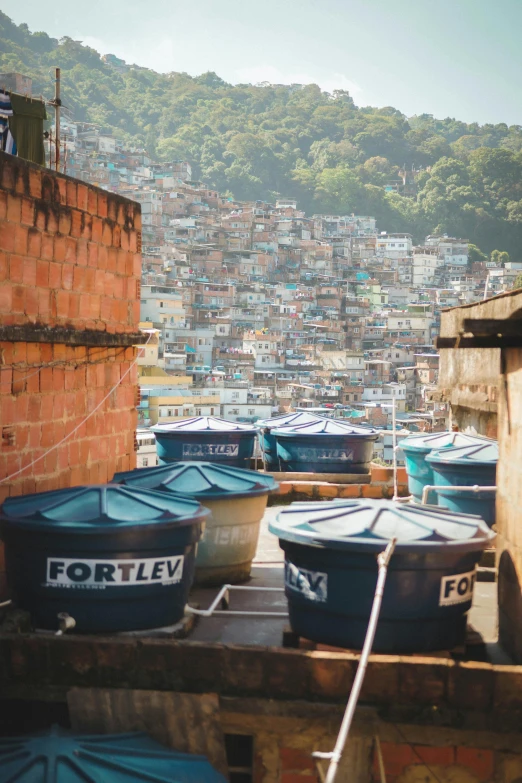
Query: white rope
pixel 78 426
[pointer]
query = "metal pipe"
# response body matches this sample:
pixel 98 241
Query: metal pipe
pixel 383 560
pixel 57 104
pixel 223 597
pixel 394 449
pixel 473 488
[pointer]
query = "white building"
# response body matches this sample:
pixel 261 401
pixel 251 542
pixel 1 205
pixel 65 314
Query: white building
pixel 146 456
pixel 426 261
pixel 393 245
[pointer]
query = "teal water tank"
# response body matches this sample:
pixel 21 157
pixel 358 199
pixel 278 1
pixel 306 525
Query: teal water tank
pixel 206 438
pixel 114 558
pixel 268 441
pixel 417 447
pixel 466 466
pixel 325 446
pixel 57 756
pixel 331 572
pixel 237 501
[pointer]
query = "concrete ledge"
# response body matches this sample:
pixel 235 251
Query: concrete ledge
pixel 466 694
pixel 330 478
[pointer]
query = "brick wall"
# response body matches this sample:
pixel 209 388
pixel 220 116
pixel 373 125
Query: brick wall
pixel 69 310
pixel 68 252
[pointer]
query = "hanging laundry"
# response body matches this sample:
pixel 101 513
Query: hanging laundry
pixel 27 127
pixel 7 142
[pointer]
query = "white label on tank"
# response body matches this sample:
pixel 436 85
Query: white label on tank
pixel 235 534
pixel 312 584
pixel 99 574
pixel 456 589
pixel 210 449
pixel 316 455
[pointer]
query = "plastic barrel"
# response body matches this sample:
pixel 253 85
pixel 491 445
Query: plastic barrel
pixel 267 439
pixel 206 438
pixel 466 466
pixel 331 572
pixel 417 447
pixel 326 446
pixel 237 499
pixel 113 558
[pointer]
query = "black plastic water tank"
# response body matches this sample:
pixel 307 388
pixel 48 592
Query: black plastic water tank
pixel 331 572
pixel 114 558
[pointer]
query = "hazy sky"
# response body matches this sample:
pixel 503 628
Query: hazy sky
pixel 457 58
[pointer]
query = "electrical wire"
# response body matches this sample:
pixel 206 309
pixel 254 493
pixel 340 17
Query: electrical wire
pixel 424 763
pixel 75 429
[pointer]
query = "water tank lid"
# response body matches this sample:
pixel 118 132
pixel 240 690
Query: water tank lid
pixel 203 424
pixel 425 442
pixel 287 419
pixel 368 525
pixel 328 427
pixel 98 508
pixel 57 756
pixel 202 480
pixel 480 453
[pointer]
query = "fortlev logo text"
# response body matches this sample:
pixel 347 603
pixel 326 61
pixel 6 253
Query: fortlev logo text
pixel 69 572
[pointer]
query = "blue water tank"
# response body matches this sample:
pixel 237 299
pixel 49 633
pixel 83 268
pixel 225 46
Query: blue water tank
pixel 417 447
pixel 237 499
pixel 326 446
pixel 114 558
pixel 61 757
pixel 206 438
pixel 466 466
pixel 268 441
pixel 331 572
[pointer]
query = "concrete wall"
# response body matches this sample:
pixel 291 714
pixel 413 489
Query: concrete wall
pixel 70 267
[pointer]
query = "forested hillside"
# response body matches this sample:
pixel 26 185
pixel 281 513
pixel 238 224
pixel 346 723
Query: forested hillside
pixel 257 141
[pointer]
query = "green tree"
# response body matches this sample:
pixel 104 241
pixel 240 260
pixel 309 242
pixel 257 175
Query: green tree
pixel 517 283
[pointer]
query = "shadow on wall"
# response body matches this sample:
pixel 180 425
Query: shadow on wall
pixel 509 606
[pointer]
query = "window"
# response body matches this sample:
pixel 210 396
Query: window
pixel 161 304
pixel 375 391
pixel 169 412
pixel 145 462
pixel 240 757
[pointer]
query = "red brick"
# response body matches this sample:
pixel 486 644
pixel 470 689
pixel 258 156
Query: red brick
pixel 31 303
pixel 7 232
pixel 62 304
pixel 21 240
pixel 67 276
pixel 441 756
pixel 81 252
pixel 59 247
pixel 480 761
pixel 14 208
pixel 76 223
pixel 64 223
pixel 44 303
pixel 396 758
pixel 42 274
pixel 371 491
pixel 35 183
pixel 92 201
pixel 28 214
pixel 71 191
pixel 29 272
pixel 92 254
pixel 47 249
pixel 34 245
pixel 102 205
pixel 97 230
pixel 107 234
pixel 70 250
pixel 18 299
pixel 3 205
pixel 16 269
pixel 55 275
pixel 82 197
pixel 7 172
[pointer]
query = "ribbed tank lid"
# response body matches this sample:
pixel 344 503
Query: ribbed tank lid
pixel 327 427
pixel 368 525
pixel 98 508
pixel 478 454
pixel 287 419
pixel 61 757
pixel 202 424
pixel 199 480
pixel 425 442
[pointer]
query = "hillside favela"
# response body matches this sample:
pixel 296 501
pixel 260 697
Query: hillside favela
pixel 260 396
